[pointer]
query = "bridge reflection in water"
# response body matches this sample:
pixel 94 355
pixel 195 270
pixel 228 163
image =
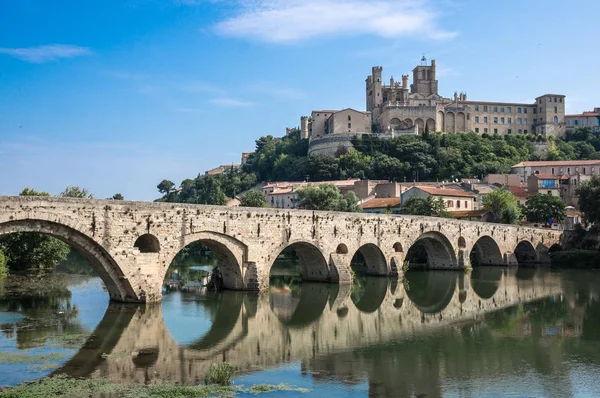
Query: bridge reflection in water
pixel 314 324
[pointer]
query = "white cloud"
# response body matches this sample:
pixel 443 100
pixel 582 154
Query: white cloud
pixel 231 102
pixel 47 53
pixel 285 21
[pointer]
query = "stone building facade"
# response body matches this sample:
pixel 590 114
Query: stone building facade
pixel 403 108
pixel 397 107
pixel 589 119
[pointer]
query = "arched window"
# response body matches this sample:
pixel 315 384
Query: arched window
pixel 555 119
pixel 458 204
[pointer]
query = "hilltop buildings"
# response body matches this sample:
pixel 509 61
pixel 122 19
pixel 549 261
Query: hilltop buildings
pixel 400 108
pixel 589 119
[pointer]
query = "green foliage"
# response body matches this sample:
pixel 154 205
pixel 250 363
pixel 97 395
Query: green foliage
pixel 254 199
pixel 219 373
pixel 541 208
pixel 117 196
pixel 62 386
pixel 165 186
pixel 75 192
pixel 589 199
pixel 429 207
pixel 575 258
pixel 211 189
pixel 25 250
pixel 503 206
pixel 279 159
pixel 327 197
pixel 32 192
pixel 3 265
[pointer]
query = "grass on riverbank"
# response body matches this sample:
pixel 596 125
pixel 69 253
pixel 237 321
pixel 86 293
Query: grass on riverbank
pixel 67 387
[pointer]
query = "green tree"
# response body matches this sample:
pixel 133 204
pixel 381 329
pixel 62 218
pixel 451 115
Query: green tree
pixel 589 199
pixel 3 266
pixel 165 186
pixel 503 206
pixel 429 207
pixel 253 199
pixel 24 250
pixel 75 192
pixel 118 196
pixel 327 197
pixel 542 208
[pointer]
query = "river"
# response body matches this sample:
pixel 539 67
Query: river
pixel 494 332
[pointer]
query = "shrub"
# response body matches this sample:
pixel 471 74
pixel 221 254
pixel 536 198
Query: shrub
pixel 219 373
pixel 3 270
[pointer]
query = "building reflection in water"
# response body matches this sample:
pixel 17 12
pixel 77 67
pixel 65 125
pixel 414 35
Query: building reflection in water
pixel 421 336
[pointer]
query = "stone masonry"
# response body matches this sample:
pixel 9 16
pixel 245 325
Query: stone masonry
pixel 131 244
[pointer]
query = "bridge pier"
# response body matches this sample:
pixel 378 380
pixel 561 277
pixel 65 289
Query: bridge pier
pixel 131 244
pixel 340 271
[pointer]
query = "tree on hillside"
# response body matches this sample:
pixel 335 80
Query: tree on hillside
pixel 429 207
pixel 3 266
pixel 543 208
pixel 327 197
pixel 117 196
pixel 503 206
pixel 23 250
pixel 589 199
pixel 165 186
pixel 75 192
pixel 253 199
pixel 209 191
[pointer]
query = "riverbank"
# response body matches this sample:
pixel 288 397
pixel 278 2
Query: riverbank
pixel 71 387
pixel 575 258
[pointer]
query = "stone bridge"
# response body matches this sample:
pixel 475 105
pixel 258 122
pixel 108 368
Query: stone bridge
pixel 256 331
pixel 131 244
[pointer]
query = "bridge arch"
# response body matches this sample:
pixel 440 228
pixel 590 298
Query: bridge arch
pixel 374 259
pixel 431 292
pixel 486 251
pixel 229 252
pixel 313 265
pixel 437 249
pixel 147 243
pixel 298 309
pixel 525 253
pixel 485 281
pixel 368 293
pixel 118 286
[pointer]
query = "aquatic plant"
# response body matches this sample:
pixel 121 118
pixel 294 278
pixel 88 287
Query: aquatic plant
pixel 220 374
pixel 62 386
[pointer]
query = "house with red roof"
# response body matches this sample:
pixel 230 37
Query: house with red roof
pixel 454 199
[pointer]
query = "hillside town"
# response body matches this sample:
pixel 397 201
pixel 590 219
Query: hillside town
pixel 400 109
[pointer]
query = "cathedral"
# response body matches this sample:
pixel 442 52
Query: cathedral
pixel 400 108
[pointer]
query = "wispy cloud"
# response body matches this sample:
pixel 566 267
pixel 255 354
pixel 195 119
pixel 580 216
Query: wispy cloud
pixel 285 21
pixel 276 91
pixel 47 53
pixel 230 102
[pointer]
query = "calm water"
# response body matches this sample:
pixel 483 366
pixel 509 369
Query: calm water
pixel 496 332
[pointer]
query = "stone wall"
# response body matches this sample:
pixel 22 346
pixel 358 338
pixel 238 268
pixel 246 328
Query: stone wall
pixel 131 244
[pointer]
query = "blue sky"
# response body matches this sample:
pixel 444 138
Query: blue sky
pixel 117 95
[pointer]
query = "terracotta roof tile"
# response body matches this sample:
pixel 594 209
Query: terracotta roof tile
pixel 379 203
pixel 468 213
pixel 519 192
pixel 445 192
